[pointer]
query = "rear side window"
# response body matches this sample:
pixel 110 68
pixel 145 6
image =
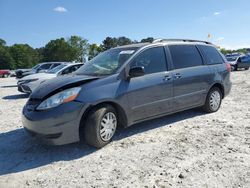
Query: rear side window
pixel 185 56
pixel 153 60
pixel 54 65
pixel 45 66
pixel 212 55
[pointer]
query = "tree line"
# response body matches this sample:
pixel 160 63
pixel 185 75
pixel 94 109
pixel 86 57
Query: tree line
pixel 74 48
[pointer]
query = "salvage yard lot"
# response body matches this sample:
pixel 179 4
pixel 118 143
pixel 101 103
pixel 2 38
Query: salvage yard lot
pixel 187 149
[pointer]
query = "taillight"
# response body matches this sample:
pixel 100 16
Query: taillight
pixel 228 67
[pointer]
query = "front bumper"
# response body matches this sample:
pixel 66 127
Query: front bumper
pixel 56 126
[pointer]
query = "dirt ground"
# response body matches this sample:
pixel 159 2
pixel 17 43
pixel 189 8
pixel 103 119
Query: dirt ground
pixel 188 149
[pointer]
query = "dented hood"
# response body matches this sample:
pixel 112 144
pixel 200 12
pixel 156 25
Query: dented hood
pixel 58 84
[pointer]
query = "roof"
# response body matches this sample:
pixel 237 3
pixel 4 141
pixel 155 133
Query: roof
pixel 166 41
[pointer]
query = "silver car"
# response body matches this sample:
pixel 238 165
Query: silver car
pixel 29 83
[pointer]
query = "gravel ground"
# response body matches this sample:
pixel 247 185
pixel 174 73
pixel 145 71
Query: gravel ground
pixel 188 149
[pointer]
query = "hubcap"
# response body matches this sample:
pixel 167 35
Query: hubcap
pixel 108 126
pixel 215 99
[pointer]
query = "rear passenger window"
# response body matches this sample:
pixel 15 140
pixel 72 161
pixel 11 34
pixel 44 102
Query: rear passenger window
pixel 185 56
pixel 44 66
pixel 153 60
pixel 212 55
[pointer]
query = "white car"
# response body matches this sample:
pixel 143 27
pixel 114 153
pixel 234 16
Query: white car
pixel 29 83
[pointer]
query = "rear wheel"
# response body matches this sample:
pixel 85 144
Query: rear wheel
pixel 100 126
pixel 213 100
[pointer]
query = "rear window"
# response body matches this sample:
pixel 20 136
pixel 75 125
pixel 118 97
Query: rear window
pixel 185 56
pixel 212 55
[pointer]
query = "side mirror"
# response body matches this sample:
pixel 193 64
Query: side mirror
pixel 136 71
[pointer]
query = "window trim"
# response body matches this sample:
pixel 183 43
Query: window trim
pixel 198 50
pixel 148 48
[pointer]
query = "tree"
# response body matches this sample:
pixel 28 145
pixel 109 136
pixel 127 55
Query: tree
pixel 2 42
pixel 94 50
pixel 79 46
pixel 23 55
pixel 149 39
pixel 58 50
pixel 110 42
pixel 6 61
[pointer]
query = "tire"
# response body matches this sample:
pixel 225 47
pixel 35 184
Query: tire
pixel 94 133
pixel 246 68
pixel 232 68
pixel 5 75
pixel 236 67
pixel 210 106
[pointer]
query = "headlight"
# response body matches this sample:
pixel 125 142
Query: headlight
pixel 59 98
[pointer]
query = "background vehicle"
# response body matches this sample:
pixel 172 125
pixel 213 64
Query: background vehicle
pixel 238 61
pixel 4 73
pixel 29 83
pixel 127 85
pixel 41 67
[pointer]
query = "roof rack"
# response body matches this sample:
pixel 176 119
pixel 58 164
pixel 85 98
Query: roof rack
pixel 180 40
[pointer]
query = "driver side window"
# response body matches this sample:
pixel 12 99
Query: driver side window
pixel 153 60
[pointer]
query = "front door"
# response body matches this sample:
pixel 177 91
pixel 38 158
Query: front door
pixel 152 94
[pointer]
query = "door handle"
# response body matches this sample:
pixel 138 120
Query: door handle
pixel 167 77
pixel 177 75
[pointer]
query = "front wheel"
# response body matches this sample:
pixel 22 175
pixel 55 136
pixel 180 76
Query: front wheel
pixel 213 100
pixel 246 68
pixel 100 126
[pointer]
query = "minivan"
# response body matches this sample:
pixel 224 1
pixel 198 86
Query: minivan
pixel 127 85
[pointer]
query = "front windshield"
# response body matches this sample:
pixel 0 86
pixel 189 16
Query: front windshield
pixel 56 69
pixel 107 63
pixel 232 58
pixel 35 67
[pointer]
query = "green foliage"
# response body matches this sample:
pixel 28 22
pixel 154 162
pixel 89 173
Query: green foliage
pixel 23 55
pixel 79 47
pixel 110 42
pixel 94 50
pixel 242 50
pixel 58 50
pixel 6 61
pixel 2 42
pixel 149 39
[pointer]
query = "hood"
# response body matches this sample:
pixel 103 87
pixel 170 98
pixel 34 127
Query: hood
pixel 38 76
pixel 55 85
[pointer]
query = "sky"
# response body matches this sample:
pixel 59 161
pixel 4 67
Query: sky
pixel 36 22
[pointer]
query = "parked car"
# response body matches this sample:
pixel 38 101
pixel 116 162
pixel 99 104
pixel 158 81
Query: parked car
pixel 4 73
pixel 127 85
pixel 29 83
pixel 41 67
pixel 238 61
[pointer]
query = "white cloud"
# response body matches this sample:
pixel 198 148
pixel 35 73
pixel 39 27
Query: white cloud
pixel 217 13
pixel 220 39
pixel 60 9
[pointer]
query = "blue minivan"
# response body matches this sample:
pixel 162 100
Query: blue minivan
pixel 126 85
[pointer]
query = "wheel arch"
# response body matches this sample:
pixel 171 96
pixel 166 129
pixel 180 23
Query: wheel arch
pixel 220 86
pixel 122 117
